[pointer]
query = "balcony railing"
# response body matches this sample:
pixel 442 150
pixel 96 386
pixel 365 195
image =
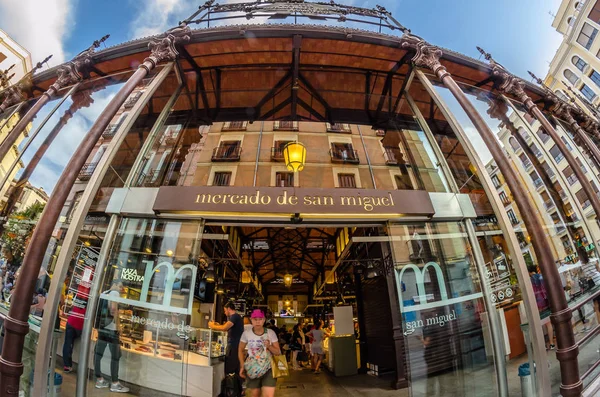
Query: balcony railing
pixel 390 157
pixel 514 221
pixel 560 228
pixel 538 183
pixel 549 204
pixel 344 156
pixel 586 204
pixel 149 179
pixel 86 171
pixel 559 158
pixel 234 126
pixel 572 179
pixel 338 127
pixel 527 164
pixel 285 126
pixel 506 200
pixel 226 153
pixel 380 132
pixel 562 194
pixel 277 153
pixel 110 131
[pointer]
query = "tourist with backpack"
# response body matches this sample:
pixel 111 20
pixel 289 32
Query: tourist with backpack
pixel 106 322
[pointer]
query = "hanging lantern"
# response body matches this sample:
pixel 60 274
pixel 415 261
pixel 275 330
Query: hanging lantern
pixel 294 154
pixel 210 273
pixel 287 280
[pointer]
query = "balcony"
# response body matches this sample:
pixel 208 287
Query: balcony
pixel 514 221
pixel 86 171
pixel 149 179
pixel 132 100
pixel 226 153
pixel 234 126
pixel 549 205
pixel 538 183
pixel 523 244
pixel 285 126
pixel 337 127
pixel 380 132
pixel 344 156
pixel 527 164
pixel 277 153
pixel 586 205
pixel 559 158
pixel 110 131
pixel 572 179
pixel 560 228
pixel 563 195
pixel 390 157
pixel 506 201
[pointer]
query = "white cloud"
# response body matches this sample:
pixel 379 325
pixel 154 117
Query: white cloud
pixel 157 16
pixel 41 26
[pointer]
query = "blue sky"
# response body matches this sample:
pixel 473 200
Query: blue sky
pixel 518 33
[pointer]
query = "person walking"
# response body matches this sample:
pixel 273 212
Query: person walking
pixel 262 343
pixel 108 336
pixel 234 327
pixel 317 334
pixel 296 346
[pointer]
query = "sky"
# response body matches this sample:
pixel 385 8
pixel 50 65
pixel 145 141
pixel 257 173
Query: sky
pixel 518 33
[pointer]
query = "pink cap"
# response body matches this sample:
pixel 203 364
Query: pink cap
pixel 257 313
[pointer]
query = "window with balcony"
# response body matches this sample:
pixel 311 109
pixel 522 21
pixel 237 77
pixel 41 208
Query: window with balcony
pixel 514 144
pixel 587 35
pixel 496 181
pixel 537 181
pixel 86 171
pixel 535 150
pixel 393 155
pixel 277 150
pixel 570 76
pixel 542 134
pixel 380 132
pixel 567 144
pixel 112 129
pixel 525 160
pixel 583 167
pixel 579 63
pixel 227 151
pixel 549 172
pixel 595 77
pixel 588 92
pixel 337 127
pixel 583 199
pixel 504 198
pixel 234 126
pixel 557 154
pixel 221 178
pixel 512 217
pixel 285 126
pixel 343 153
pixel 570 175
pixel 347 180
pixel 284 179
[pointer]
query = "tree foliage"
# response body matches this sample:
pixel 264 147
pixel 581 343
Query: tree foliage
pixel 18 231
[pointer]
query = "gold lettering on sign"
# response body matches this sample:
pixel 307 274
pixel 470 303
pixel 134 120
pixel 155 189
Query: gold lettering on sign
pixel 368 203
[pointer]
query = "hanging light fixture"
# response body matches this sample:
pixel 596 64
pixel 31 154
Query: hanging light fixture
pixel 210 273
pixel 287 280
pixel 294 154
pixel 220 288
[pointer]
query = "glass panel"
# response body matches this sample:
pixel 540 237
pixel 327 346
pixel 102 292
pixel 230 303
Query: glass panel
pixel 145 315
pixel 444 320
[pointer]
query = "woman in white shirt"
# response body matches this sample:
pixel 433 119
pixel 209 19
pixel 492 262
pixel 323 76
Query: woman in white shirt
pixel 261 343
pixel 317 334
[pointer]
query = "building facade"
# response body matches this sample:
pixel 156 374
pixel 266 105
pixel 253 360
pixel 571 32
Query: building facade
pixel 411 210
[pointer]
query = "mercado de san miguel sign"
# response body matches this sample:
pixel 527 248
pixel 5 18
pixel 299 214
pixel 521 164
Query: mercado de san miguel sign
pixel 305 201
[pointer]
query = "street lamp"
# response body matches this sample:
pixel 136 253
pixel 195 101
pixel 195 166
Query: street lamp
pixel 294 154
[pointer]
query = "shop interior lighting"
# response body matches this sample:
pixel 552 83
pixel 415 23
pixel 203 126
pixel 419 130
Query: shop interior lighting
pixel 169 252
pixel 294 154
pixel 220 288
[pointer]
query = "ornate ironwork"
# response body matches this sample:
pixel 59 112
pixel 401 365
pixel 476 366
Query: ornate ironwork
pixel 5 77
pixel 16 92
pixel 282 9
pixel 77 69
pixel 164 49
